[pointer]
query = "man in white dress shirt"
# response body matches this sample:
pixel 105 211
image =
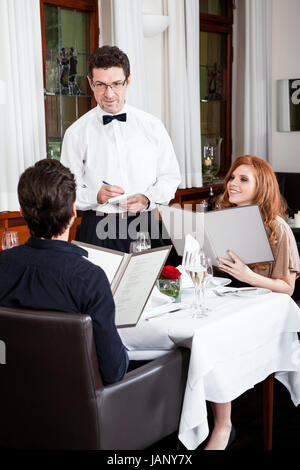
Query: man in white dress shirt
pixel 116 149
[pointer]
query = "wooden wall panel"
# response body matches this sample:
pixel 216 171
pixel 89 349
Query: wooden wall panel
pixel 13 221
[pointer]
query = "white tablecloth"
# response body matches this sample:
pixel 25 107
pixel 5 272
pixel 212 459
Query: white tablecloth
pixel 240 343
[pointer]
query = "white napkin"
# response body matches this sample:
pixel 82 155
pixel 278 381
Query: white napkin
pixel 191 244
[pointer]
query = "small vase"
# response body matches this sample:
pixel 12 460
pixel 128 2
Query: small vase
pixel 170 287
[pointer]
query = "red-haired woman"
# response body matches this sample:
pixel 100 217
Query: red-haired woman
pixel 251 180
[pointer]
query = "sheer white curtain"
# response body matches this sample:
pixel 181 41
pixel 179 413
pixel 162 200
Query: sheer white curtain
pixel 22 119
pixel 252 83
pixel 182 87
pixel 127 34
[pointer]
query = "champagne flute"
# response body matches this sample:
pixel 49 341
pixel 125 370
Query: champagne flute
pixel 9 239
pixel 186 261
pixel 198 271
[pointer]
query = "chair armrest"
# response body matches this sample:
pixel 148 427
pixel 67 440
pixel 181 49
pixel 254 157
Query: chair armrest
pixel 151 394
pixel 173 361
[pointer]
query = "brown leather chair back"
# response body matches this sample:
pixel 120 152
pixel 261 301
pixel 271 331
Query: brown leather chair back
pixel 49 381
pixel 52 395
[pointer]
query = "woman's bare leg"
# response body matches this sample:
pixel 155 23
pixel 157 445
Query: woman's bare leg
pixel 222 426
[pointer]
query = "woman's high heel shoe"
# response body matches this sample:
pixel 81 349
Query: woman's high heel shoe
pixel 231 437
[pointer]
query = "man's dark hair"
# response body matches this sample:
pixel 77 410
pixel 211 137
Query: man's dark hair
pixel 106 57
pixel 46 194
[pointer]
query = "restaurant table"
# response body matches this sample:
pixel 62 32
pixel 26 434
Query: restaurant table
pixel 242 341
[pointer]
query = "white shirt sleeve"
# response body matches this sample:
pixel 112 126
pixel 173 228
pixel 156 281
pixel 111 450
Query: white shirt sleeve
pixel 168 174
pixel 73 157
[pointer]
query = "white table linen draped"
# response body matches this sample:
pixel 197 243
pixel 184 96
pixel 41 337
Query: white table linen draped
pixel 241 342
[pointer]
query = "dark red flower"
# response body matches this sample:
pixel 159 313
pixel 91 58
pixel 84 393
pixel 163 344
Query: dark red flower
pixel 170 272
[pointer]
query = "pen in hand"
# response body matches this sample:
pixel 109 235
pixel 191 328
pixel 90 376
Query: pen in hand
pixel 109 193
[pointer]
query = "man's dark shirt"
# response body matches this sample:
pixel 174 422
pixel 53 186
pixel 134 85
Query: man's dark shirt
pixel 53 275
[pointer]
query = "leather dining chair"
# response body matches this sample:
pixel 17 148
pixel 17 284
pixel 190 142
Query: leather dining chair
pixel 52 395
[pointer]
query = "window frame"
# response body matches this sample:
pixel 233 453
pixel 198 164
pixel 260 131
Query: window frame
pixel 90 6
pixel 223 24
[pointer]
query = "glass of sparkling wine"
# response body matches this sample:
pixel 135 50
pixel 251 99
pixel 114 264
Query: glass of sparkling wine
pixel 197 269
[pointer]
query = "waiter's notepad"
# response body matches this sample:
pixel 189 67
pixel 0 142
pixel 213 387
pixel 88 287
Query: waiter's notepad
pixel 118 199
pixel 239 229
pixel 132 277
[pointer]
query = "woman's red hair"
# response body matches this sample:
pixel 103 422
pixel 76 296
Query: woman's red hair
pixel 267 194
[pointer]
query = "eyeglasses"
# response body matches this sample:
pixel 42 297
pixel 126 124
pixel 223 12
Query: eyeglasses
pixel 115 86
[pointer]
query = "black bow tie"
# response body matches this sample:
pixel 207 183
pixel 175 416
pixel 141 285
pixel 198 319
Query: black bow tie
pixel 107 118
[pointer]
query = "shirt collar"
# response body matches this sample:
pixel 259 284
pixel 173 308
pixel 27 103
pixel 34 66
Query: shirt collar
pixel 56 245
pixel 102 113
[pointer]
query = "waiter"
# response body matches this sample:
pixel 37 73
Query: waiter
pixel 117 149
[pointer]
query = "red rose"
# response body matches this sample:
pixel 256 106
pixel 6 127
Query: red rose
pixel 170 272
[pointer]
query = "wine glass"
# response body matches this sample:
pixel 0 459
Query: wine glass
pixel 197 269
pixel 141 243
pixel 9 239
pixel 186 261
